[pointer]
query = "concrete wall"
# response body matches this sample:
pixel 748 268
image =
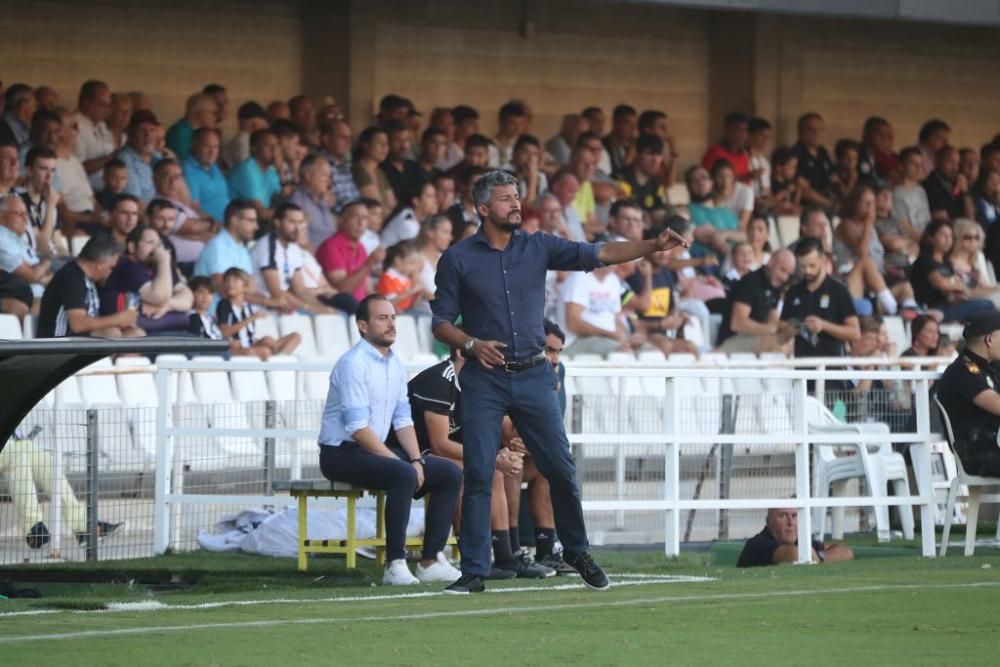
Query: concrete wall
pixel 167 49
pixel 558 55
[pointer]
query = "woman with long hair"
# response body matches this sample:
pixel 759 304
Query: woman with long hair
pixel 373 149
pixel 964 258
pixel 934 280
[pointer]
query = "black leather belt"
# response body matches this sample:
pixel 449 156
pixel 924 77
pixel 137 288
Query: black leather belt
pixel 515 366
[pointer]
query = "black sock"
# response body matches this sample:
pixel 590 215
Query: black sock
pixel 501 548
pixel 515 538
pixel 545 539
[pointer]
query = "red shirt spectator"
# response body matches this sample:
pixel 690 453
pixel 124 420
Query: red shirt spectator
pixel 343 257
pixel 732 147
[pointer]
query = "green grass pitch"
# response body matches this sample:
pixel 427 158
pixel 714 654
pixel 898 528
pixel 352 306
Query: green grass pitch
pixel 888 607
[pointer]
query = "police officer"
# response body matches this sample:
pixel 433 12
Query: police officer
pixel 968 392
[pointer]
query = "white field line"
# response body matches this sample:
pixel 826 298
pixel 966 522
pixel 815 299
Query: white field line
pixel 156 605
pixel 118 632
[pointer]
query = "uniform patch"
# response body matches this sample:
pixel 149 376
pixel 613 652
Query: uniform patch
pixel 972 366
pixel 824 301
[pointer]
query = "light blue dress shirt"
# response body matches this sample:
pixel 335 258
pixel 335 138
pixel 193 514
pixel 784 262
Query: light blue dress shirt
pixel 207 187
pixel 247 181
pixel 222 253
pixel 366 389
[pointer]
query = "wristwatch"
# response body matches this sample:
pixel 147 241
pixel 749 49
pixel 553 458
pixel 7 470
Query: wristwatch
pixel 421 460
pixel 469 344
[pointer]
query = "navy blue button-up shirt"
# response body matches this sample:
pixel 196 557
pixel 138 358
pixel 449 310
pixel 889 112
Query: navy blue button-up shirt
pixel 500 294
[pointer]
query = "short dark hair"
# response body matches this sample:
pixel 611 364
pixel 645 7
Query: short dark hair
pixel 648 118
pixel 364 307
pixel 89 90
pixel 758 124
pixel 808 212
pixel 284 128
pixel 648 143
pixel 213 89
pixel 808 245
pixel 590 111
pixel 513 109
pixel 38 153
pixel 100 246
pixel 552 329
pixel 987 150
pixel 200 282
pixel 474 140
pixel 430 133
pixel 933 126
pixel 123 197
pixel 619 204
pixel 283 209
pixel 259 135
pixel 114 164
pixel 235 208
pixel 782 155
pixel 157 205
pixel 735 118
pixel 805 118
pixel 163 164
pixel 909 152
pixel 584 137
pixel 236 272
pixel 720 164
pixel 369 133
pixel 202 132
pixel 872 123
pixel 621 111
pixel 394 126
pixel 462 113
pixel 841 147
pixel 527 140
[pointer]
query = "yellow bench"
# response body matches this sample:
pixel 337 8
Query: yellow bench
pixel 304 489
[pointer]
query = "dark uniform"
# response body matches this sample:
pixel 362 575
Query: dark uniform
pixel 755 290
pixel 759 550
pixel 975 429
pixel 435 390
pixel 832 302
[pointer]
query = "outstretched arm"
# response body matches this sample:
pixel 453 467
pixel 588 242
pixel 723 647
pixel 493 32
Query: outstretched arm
pixel 617 252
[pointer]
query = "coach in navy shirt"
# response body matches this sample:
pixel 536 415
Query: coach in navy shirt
pixel 495 279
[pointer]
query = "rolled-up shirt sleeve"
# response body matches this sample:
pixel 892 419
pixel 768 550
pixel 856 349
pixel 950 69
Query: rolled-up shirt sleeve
pixel 354 398
pixel 402 415
pixel 445 306
pixel 570 255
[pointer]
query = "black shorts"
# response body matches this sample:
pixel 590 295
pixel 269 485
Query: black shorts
pixel 12 287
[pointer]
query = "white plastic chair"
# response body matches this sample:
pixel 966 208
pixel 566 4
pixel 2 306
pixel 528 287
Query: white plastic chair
pixel 407 343
pixel 217 408
pixel 303 326
pixel 76 244
pixel 266 326
pixel 10 328
pixel 877 464
pixel 974 485
pixel 118 448
pixel 138 394
pixel 332 337
pixel 28 326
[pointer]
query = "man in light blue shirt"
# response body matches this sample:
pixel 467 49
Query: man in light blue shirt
pixel 140 155
pixel 367 397
pixel 256 178
pixel 206 184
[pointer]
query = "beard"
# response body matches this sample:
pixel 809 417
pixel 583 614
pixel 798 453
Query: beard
pixel 511 222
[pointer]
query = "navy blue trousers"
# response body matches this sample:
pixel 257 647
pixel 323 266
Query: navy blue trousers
pixel 530 398
pixel 442 479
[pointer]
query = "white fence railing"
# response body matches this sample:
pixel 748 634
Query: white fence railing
pixel 673 393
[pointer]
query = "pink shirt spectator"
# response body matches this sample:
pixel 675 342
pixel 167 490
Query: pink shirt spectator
pixel 340 252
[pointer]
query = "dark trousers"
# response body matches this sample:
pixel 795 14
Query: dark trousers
pixel 530 398
pixel 442 480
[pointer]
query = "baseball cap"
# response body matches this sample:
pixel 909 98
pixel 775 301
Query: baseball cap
pixel 143 116
pixel 981 324
pixel 250 110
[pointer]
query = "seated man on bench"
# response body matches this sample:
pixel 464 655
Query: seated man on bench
pixel 367 397
pixel 434 397
pixel 779 543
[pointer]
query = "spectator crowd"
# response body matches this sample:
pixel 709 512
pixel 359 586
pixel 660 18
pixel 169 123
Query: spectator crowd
pixel 114 223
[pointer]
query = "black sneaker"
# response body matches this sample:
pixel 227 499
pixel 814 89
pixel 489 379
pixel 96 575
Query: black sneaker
pixel 556 562
pixel 467 583
pixel 591 573
pixel 103 530
pixel 38 536
pixel 500 574
pixel 526 568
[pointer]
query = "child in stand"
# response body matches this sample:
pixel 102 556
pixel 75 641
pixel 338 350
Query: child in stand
pixel 202 322
pixel 115 180
pixel 237 319
pixel 400 270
